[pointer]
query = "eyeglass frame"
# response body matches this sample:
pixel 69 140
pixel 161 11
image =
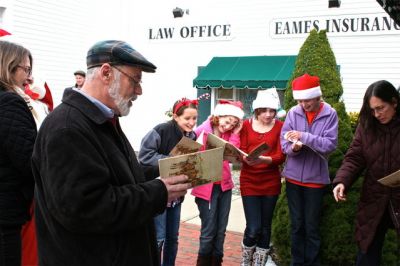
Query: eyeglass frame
pixel 27 69
pixel 380 109
pixel 132 80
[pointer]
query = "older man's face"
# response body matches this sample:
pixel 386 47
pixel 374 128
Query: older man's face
pixel 127 88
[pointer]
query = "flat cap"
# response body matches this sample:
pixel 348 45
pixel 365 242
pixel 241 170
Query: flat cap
pixel 117 53
pixel 80 72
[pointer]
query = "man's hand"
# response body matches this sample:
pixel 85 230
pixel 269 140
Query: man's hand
pixel 177 186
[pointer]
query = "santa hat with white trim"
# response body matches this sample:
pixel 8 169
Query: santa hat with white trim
pixel 306 87
pixel 225 107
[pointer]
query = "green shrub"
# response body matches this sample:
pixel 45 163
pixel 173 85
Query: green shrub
pixel 353 120
pixel 337 221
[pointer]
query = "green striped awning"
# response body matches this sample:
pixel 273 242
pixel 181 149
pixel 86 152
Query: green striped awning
pixel 252 72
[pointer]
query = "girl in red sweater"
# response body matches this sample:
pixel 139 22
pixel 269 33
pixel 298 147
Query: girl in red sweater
pixel 260 183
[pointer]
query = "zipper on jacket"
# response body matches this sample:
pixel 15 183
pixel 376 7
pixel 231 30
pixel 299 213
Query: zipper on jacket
pixel 306 129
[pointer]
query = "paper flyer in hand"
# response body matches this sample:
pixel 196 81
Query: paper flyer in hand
pixel 308 147
pixel 201 167
pixel 185 146
pixel 392 180
pixel 232 153
pixel 258 151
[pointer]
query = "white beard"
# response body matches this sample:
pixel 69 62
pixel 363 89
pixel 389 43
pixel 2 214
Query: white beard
pixel 123 105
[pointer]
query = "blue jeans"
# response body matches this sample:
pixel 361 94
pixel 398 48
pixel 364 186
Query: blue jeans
pixel 305 211
pixel 10 245
pixel 214 217
pixel 167 229
pixel 258 211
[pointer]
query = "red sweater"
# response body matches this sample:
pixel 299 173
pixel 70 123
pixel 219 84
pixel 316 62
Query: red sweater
pixel 261 179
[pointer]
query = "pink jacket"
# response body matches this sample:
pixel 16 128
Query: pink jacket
pixel 205 191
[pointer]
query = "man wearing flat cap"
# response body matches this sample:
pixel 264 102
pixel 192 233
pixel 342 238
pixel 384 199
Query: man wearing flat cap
pixel 80 77
pixel 93 205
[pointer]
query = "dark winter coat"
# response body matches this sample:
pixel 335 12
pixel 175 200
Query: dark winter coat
pixel 379 156
pixel 93 206
pixel 157 144
pixel 17 137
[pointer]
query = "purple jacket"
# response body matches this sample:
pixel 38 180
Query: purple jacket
pixel 205 191
pixel 310 164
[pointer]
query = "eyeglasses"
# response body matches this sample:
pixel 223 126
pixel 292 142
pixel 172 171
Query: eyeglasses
pixel 133 81
pixel 379 110
pixel 27 69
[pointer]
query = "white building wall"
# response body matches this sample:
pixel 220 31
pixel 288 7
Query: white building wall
pixel 59 34
pixel 363 58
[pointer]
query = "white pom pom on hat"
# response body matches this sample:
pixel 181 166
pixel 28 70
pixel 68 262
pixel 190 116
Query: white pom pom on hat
pixel 281 113
pixel 39 89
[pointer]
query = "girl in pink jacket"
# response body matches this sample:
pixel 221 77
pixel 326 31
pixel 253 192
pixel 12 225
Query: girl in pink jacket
pixel 214 200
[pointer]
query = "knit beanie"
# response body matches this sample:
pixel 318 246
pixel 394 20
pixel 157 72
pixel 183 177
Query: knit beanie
pixel 269 98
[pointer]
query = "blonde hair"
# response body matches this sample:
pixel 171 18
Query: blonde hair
pixel 11 56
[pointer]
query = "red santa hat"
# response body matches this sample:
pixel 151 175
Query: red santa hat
pixel 306 87
pixel 39 90
pixel 225 107
pixel 4 33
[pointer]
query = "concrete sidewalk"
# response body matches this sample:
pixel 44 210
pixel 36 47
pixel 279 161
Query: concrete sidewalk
pixel 237 222
pixel 190 231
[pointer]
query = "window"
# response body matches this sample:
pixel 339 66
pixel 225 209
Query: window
pixel 246 96
pixel 225 94
pixel 2 10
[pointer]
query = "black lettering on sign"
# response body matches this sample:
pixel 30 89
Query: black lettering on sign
pixel 161 33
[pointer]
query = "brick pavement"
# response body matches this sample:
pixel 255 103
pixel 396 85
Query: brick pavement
pixel 189 245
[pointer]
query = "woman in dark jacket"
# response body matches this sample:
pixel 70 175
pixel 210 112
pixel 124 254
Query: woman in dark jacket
pixel 17 136
pixel 375 148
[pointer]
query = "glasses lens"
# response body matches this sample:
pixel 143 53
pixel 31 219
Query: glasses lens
pixel 133 81
pixel 27 70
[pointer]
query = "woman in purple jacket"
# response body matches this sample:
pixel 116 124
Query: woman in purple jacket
pixel 308 135
pixel 214 200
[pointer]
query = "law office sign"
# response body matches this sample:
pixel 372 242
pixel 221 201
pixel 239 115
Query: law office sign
pixel 191 32
pixel 341 25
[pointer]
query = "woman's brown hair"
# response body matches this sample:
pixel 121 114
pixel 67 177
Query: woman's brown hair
pixel 11 56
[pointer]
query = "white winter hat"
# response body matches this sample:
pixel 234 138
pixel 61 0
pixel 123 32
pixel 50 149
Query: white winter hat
pixel 225 107
pixel 269 98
